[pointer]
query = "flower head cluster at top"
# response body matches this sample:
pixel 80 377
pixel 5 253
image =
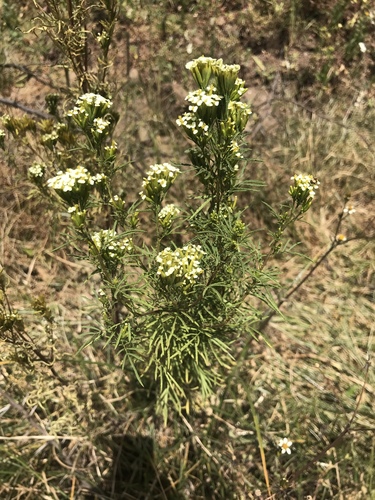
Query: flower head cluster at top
pixel 303 190
pixel 74 184
pixel 159 179
pixel 216 100
pixel 109 242
pixel 90 112
pixel 180 267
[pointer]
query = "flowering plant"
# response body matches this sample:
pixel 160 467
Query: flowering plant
pixel 172 306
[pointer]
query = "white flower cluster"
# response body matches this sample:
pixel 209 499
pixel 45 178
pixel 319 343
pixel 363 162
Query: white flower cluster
pixel 167 214
pixel 89 99
pixel 191 122
pixel 240 87
pixel 306 183
pixel 112 148
pixel 180 266
pixel 100 125
pixel 76 210
pixel 216 64
pixel 215 105
pixel 205 97
pixel 36 171
pixel 159 179
pixel 239 107
pixel 108 240
pixel 235 149
pixel 51 138
pixel 73 178
pixel 2 133
pixel 200 60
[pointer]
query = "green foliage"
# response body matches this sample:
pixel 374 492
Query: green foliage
pixel 172 311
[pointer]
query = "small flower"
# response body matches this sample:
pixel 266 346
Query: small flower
pixel 88 108
pixel 180 267
pixel 111 244
pixel 194 127
pixel 303 190
pixel 285 445
pixel 349 210
pixel 167 214
pixel 36 172
pixel 341 238
pixel 100 125
pixel 159 179
pixel 74 184
pixel 201 97
pixel 362 47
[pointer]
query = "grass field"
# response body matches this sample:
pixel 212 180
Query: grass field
pixel 81 427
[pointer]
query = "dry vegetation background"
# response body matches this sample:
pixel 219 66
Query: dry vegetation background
pixel 85 430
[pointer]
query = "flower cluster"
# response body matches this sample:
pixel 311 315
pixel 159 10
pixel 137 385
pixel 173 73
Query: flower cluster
pixel 86 101
pixel 238 114
pixel 74 184
pixel 101 125
pixel 215 111
pixel 235 149
pixel 103 38
pixel 89 111
pixel 36 172
pixel 50 139
pixel 180 267
pixel 78 216
pixel 167 214
pixel 192 125
pixel 203 97
pixel 303 190
pixel 204 69
pixel 112 244
pixel 159 179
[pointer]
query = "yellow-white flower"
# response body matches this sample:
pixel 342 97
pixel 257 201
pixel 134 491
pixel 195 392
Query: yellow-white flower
pixel 285 445
pixel 362 47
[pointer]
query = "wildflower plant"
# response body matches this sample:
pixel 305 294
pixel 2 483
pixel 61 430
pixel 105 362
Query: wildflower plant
pixel 174 304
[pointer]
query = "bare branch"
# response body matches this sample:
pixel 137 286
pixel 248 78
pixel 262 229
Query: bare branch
pixel 30 111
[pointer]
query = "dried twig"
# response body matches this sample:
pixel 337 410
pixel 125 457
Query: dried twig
pixel 30 111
